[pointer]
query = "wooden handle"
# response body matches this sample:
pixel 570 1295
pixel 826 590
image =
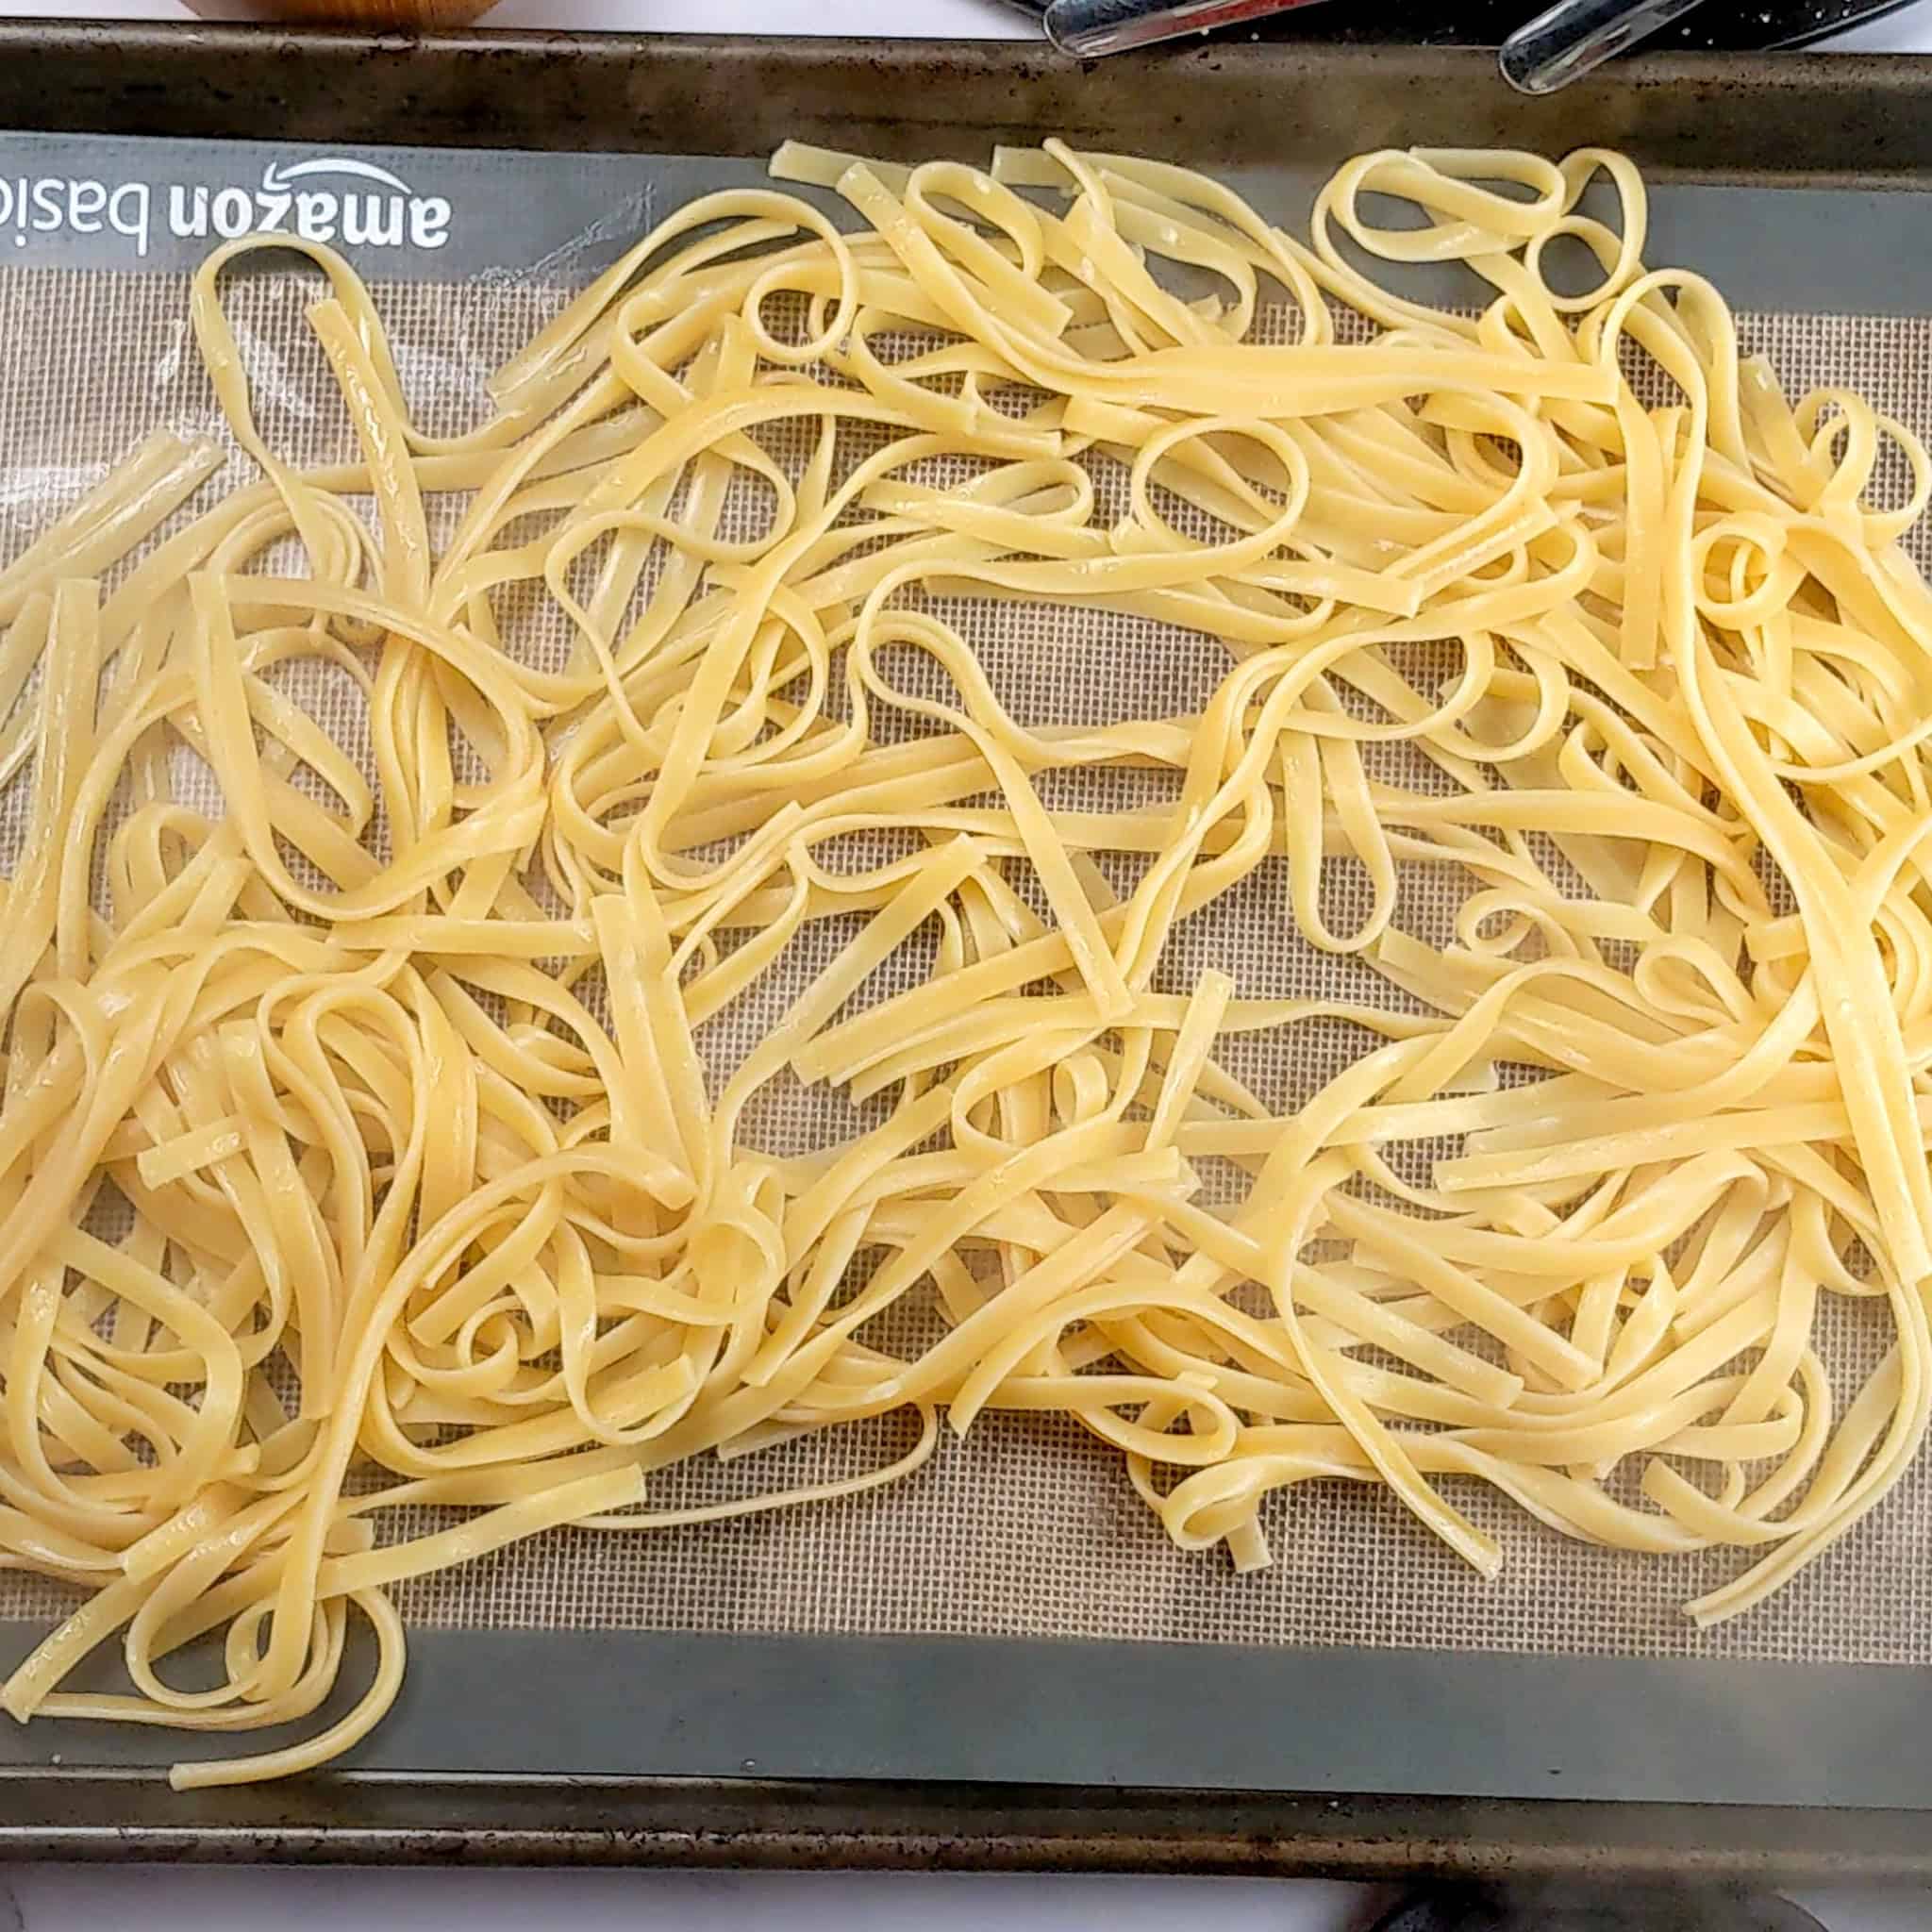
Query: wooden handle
pixel 368 13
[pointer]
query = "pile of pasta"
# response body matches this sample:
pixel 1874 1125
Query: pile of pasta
pixel 360 1151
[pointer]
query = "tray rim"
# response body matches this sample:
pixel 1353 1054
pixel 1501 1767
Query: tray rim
pixel 1800 120
pixel 377 1819
pixel 1843 119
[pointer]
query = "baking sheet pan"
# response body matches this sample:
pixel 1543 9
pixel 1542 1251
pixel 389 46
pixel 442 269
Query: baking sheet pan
pixel 1785 180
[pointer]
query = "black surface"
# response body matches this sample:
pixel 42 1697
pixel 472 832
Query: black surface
pixel 1720 25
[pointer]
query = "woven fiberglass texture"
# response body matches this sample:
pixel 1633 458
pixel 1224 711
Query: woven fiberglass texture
pixel 1028 1527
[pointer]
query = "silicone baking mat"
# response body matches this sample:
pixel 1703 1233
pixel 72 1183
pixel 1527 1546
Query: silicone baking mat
pixel 1026 1530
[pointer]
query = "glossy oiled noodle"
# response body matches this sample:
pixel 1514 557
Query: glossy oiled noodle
pixel 357 1151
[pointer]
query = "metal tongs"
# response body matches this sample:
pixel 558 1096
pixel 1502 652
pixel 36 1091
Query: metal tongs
pixel 1559 45
pixel 1093 28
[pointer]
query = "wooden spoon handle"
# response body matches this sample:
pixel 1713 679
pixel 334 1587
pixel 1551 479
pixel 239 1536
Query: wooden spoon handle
pixel 366 13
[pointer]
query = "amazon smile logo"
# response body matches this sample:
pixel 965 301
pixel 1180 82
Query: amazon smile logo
pixel 330 198
pixel 335 198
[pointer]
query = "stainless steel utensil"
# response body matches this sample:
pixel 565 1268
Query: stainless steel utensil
pixel 1567 40
pixel 1091 27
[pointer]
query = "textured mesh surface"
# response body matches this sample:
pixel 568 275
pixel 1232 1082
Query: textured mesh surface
pixel 1028 1527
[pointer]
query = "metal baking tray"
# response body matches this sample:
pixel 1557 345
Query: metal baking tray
pixel 614 1746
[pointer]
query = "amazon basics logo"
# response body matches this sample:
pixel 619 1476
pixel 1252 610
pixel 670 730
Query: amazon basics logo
pixel 331 198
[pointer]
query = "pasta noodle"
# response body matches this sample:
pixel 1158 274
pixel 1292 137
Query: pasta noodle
pixel 358 1147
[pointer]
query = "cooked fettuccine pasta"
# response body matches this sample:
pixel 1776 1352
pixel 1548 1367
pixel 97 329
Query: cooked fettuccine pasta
pixel 360 1149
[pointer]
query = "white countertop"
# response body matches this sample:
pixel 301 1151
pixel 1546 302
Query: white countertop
pixel 1910 31
pixel 66 1899
pixel 50 1899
